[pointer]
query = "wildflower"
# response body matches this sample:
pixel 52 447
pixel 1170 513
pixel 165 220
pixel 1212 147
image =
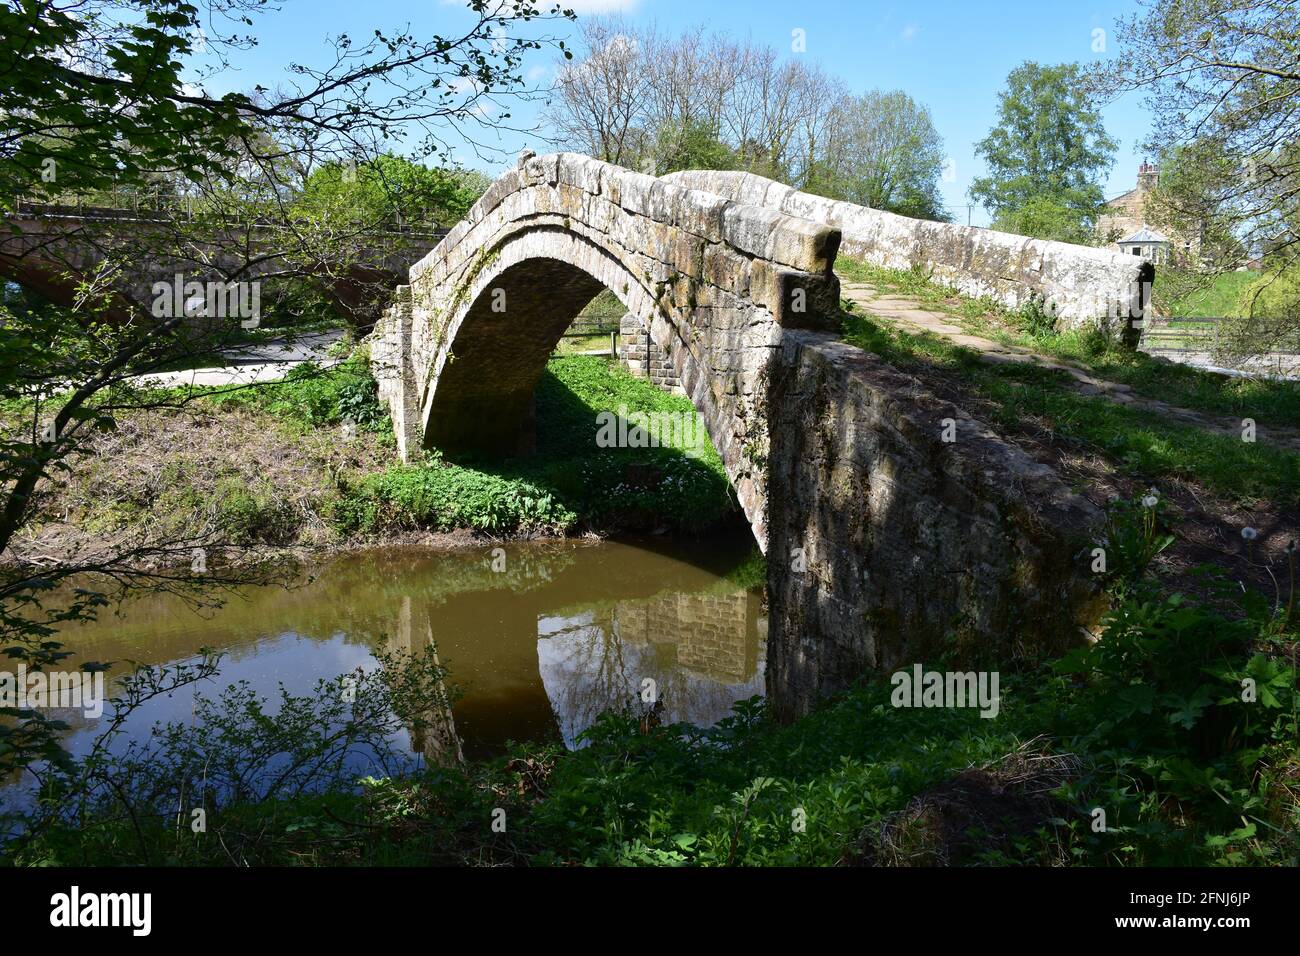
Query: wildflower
pixel 1250 534
pixel 1150 501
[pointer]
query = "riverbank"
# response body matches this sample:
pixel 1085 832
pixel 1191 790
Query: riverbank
pixel 317 472
pixel 1171 741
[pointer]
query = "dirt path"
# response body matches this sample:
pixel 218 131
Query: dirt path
pixel 911 315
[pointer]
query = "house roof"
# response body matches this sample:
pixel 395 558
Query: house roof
pixel 1145 234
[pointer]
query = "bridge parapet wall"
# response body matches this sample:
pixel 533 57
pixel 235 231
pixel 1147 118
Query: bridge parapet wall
pixel 1081 285
pixel 890 546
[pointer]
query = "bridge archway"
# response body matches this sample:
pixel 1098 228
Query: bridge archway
pixel 898 532
pixel 715 283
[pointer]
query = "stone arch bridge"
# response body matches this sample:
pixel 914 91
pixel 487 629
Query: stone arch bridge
pixel 885 542
pixel 49 248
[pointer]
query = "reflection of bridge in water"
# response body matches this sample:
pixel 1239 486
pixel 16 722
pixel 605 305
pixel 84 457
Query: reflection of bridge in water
pixel 564 631
pixel 704 652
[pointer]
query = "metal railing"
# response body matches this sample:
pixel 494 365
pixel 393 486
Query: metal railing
pixel 1194 334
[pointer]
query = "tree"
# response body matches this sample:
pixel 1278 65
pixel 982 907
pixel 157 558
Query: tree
pixel 1222 79
pixel 98 91
pixel 640 99
pixel 1046 155
pixel 694 146
pixel 94 95
pixel 882 150
pixel 598 104
pixel 391 189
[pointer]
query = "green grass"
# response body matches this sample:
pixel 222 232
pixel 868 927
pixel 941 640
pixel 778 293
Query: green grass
pixel 1178 295
pixel 1142 445
pixel 570 481
pixel 583 343
pixel 916 284
pixel 309 397
pixel 1268 402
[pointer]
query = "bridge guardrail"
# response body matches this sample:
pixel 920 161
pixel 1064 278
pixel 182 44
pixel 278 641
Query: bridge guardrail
pixel 1192 334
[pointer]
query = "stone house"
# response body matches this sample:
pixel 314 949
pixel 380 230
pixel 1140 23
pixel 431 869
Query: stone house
pixel 1123 226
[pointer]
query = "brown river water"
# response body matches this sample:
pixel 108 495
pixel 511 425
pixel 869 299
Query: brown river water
pixel 568 630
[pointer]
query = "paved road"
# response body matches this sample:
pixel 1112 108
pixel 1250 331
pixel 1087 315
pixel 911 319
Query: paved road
pixel 264 362
pixel 1277 366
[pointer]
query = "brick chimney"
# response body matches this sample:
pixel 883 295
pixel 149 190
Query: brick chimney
pixel 1147 176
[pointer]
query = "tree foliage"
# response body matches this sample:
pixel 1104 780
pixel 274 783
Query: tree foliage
pixel 391 189
pixel 1046 155
pixel 114 90
pixel 882 150
pixel 1222 80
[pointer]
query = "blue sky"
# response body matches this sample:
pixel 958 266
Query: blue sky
pixel 951 55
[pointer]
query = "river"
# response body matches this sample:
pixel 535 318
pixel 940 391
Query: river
pixel 539 638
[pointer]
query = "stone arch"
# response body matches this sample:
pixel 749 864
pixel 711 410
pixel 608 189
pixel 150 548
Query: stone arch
pixel 716 282
pixel 884 540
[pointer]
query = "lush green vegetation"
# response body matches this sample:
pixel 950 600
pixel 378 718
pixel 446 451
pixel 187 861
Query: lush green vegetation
pixel 569 480
pixel 1182 295
pixel 392 189
pixel 322 471
pixel 1047 155
pixel 1179 726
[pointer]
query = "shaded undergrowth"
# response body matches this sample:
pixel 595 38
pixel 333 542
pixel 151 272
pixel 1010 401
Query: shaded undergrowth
pixel 571 481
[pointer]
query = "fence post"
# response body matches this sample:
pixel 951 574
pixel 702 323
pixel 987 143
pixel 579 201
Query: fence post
pixel 613 345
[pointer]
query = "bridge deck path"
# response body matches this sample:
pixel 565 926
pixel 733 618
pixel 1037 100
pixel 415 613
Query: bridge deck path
pixel 910 315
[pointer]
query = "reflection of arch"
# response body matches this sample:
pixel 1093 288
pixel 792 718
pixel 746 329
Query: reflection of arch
pixel 435 735
pixel 702 650
pixel 714 281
